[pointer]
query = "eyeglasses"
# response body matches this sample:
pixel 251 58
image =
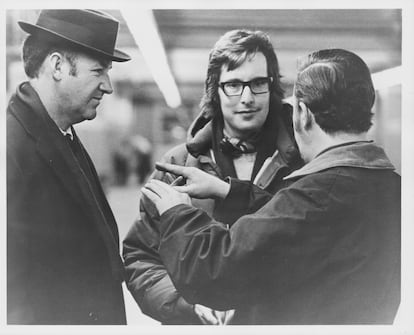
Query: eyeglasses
pixel 257 86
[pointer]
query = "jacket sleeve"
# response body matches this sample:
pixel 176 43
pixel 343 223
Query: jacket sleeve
pixel 227 267
pixel 147 277
pixel 244 198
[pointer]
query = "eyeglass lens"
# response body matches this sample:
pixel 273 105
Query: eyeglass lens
pixel 257 86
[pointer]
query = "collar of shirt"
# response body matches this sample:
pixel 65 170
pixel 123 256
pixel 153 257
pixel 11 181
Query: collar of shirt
pixel 67 132
pixel 244 165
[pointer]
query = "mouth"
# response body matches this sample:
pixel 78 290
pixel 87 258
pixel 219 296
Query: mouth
pixel 247 111
pixel 97 100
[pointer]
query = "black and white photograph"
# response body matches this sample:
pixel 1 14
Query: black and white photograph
pixel 174 165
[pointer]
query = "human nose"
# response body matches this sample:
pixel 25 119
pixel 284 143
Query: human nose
pixel 246 95
pixel 106 85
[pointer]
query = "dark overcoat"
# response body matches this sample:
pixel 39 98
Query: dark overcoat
pixel 63 264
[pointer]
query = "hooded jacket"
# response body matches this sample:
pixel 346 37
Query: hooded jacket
pixel 148 280
pixel 324 250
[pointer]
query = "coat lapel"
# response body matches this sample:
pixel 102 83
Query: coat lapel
pixel 65 166
pixel 55 151
pixel 57 154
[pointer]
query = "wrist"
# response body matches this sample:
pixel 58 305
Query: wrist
pixel 223 190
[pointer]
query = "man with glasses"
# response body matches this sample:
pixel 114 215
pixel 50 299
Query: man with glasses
pixel 324 250
pixel 244 131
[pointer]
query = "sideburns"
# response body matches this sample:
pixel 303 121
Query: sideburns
pixel 73 69
pixel 72 62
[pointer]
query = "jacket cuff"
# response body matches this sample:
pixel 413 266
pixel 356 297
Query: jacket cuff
pixel 238 196
pixel 168 217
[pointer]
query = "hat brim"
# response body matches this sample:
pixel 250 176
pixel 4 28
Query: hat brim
pixel 116 56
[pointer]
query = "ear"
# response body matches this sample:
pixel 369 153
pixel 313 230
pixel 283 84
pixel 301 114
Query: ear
pixel 302 107
pixel 56 65
pixel 306 116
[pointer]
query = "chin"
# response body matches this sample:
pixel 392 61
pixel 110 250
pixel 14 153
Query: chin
pixel 251 127
pixel 246 132
pixel 91 115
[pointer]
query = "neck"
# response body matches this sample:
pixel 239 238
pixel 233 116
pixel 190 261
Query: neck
pixel 47 95
pixel 245 136
pixel 325 141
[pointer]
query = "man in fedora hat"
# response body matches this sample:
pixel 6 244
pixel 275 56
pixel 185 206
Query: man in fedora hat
pixel 63 264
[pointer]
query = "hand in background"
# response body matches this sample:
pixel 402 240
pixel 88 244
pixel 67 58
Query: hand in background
pixel 210 316
pixel 164 196
pixel 199 184
pixel 228 316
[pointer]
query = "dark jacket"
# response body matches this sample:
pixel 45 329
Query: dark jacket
pixel 148 280
pixel 63 263
pixel 324 250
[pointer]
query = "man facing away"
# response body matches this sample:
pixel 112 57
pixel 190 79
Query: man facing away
pixel 63 263
pixel 244 131
pixel 325 249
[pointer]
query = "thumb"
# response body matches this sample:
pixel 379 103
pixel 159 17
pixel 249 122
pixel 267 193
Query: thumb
pixel 182 189
pixel 172 168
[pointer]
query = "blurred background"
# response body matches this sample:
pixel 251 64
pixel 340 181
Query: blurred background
pixel 156 94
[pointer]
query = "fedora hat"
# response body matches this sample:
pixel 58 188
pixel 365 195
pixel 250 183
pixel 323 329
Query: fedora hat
pixel 91 29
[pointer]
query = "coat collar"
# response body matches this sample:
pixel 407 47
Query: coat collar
pixel 365 155
pixel 50 143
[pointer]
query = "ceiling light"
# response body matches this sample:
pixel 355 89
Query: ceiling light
pixel 142 25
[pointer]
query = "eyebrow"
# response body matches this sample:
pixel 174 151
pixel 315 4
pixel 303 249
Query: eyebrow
pixel 239 80
pixel 104 63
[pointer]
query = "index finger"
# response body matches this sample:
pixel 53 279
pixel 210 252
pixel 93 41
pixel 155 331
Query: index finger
pixel 172 168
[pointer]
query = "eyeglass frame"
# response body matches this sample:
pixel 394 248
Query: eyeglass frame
pixel 244 84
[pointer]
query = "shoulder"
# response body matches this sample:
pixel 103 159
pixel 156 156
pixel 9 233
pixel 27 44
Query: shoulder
pixel 324 178
pixel 180 155
pixel 336 184
pixel 316 187
pixel 17 137
pixel 177 155
pixel 13 125
pixel 21 122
